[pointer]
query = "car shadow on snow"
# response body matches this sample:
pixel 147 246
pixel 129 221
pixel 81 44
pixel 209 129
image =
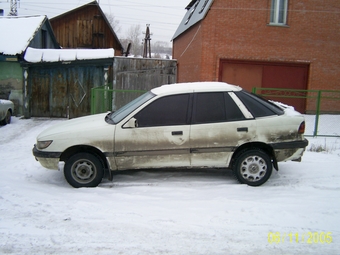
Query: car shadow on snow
pixel 164 177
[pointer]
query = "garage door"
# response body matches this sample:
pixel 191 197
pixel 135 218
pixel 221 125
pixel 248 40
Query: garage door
pixel 249 74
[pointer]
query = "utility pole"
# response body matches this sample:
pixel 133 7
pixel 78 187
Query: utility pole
pixel 147 43
pixel 13 8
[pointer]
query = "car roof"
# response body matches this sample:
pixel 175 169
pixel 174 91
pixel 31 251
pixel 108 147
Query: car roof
pixel 194 87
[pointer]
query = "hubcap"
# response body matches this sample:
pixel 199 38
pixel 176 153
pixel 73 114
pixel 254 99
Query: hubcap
pixel 83 171
pixel 253 168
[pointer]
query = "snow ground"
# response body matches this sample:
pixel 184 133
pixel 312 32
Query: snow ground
pixel 166 212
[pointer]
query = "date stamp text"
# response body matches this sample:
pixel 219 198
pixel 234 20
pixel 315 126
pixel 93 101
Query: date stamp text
pixel 308 237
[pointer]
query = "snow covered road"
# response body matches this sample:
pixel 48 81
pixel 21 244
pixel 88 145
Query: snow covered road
pixel 166 212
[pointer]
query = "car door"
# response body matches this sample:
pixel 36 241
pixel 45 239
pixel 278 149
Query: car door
pixel 156 136
pixel 3 109
pixel 218 128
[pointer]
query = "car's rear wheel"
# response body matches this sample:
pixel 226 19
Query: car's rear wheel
pixel 83 170
pixel 7 118
pixel 252 167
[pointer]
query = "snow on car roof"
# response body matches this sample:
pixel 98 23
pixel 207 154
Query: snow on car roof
pixel 195 87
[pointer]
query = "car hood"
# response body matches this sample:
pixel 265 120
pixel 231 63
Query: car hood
pixel 6 102
pixel 75 127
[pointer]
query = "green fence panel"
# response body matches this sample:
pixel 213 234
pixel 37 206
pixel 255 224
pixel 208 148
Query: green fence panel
pixel 104 99
pixel 321 97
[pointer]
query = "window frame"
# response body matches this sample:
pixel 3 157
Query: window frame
pixel 275 11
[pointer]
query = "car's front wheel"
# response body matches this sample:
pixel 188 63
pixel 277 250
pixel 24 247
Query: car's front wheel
pixel 83 170
pixel 253 167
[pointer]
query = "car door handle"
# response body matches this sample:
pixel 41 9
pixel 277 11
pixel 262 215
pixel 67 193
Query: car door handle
pixel 242 129
pixel 177 132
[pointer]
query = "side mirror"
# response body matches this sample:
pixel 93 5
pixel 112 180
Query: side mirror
pixel 132 123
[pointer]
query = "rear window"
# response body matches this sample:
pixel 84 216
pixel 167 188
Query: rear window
pixel 258 106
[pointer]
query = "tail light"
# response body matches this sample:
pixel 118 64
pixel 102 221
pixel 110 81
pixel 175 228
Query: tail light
pixel 302 128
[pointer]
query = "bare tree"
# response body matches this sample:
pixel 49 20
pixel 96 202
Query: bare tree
pixel 113 22
pixel 134 34
pixel 161 47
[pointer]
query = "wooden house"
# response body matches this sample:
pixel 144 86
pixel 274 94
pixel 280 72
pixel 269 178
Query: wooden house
pixel 85 27
pixel 17 34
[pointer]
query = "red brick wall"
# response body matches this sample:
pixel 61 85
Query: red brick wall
pixel 238 29
pixel 188 52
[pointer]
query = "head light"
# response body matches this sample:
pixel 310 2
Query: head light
pixel 43 144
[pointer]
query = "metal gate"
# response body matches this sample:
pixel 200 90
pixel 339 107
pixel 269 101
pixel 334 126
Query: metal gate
pixel 63 91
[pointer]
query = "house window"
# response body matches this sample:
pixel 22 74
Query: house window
pixel 278 12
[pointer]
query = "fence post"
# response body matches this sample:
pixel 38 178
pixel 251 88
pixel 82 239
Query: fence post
pixel 318 103
pixel 254 90
pixel 92 100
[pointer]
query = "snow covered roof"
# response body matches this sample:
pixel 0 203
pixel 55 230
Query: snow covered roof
pixel 197 10
pixel 55 55
pixel 17 32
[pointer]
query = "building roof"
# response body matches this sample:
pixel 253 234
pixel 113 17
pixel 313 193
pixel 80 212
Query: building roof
pixel 17 32
pixel 197 10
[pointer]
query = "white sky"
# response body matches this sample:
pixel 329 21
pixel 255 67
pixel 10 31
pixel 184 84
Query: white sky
pixel 164 16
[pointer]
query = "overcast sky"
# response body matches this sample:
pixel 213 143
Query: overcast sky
pixel 164 16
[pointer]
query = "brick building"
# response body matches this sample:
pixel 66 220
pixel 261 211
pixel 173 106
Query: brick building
pixel 292 44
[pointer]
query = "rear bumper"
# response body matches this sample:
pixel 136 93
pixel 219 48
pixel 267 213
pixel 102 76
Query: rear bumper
pixel 290 145
pixel 287 151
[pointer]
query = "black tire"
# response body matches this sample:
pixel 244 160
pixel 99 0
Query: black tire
pixel 7 119
pixel 83 170
pixel 253 167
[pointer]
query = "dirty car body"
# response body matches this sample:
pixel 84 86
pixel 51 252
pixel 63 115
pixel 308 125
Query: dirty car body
pixel 6 111
pixel 189 125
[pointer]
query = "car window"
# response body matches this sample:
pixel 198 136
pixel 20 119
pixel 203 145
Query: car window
pixel 258 106
pixel 209 107
pixel 166 111
pixel 233 112
pixel 121 113
pixel 215 107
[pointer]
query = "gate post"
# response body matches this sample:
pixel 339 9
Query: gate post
pixel 318 103
pixel 27 95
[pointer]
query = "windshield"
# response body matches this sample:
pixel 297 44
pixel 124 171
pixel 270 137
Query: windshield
pixel 121 113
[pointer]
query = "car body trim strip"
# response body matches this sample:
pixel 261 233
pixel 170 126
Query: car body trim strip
pixel 168 152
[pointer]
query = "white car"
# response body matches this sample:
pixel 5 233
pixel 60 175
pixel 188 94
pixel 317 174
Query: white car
pixel 6 111
pixel 189 125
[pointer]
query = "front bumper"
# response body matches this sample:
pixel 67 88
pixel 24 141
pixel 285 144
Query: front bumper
pixel 47 159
